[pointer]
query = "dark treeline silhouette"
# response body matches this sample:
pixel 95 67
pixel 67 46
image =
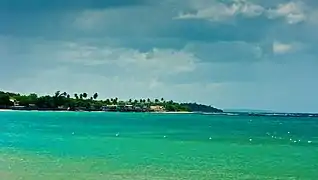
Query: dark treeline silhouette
pixel 83 101
pixel 194 107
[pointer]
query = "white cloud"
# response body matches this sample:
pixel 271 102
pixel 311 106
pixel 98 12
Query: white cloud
pixel 281 48
pixel 293 12
pixel 157 61
pixel 219 11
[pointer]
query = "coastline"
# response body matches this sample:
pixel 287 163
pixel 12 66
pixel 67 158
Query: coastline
pixel 5 110
pixel 164 112
pixel 173 112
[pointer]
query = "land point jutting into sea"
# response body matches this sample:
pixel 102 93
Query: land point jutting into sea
pixel 62 101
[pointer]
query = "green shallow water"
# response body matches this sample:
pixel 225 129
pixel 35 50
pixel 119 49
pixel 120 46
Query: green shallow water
pixel 96 146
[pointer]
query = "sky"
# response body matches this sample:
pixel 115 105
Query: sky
pixel 231 54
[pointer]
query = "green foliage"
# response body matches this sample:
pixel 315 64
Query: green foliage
pixel 63 101
pixel 201 108
pixel 26 100
pixel 107 102
pixel 5 100
pixel 95 96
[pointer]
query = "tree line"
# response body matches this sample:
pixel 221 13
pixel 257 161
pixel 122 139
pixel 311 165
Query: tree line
pixel 89 102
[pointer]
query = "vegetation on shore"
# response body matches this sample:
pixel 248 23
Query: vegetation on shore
pixel 83 101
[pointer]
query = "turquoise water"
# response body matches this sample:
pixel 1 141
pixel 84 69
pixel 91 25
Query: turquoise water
pixel 96 146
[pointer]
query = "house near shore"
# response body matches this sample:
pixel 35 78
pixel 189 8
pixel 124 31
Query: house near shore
pixel 157 108
pixel 14 101
pixel 125 108
pixel 110 108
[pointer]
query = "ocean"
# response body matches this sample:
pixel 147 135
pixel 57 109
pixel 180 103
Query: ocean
pixel 142 146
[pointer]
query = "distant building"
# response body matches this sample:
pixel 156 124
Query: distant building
pixel 14 101
pixel 18 107
pixel 157 108
pixel 32 106
pixel 110 108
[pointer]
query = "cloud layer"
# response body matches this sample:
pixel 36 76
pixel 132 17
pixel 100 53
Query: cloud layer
pixel 231 54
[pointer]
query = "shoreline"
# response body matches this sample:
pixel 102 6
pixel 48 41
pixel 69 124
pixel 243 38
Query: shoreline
pixel 5 110
pixel 172 112
pixel 165 112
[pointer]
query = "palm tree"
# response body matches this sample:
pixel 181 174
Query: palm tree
pixel 162 100
pixel 76 96
pixel 148 100
pixel 68 96
pixel 57 93
pixel 81 96
pixel 156 100
pixel 115 100
pixel 130 100
pixel 108 101
pixel 140 100
pixel 95 96
pixel 84 95
pixel 64 94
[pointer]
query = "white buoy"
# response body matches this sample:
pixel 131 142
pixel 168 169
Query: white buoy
pixel 295 141
pixel 251 139
pixel 210 138
pixel 117 134
pixel 290 139
pixel 73 133
pixel 164 136
pixel 288 132
pixel 309 142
